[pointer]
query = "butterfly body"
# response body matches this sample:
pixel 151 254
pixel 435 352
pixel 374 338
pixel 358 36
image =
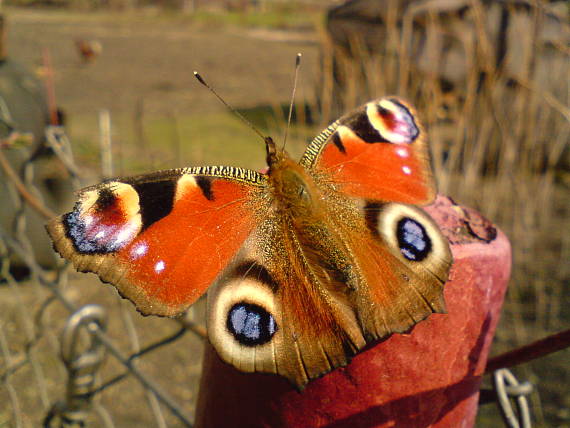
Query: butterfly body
pixel 304 264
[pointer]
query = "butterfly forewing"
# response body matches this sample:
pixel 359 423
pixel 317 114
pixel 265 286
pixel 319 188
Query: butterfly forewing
pixel 162 238
pixel 378 152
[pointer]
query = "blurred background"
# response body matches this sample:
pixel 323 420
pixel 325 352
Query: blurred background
pixel 99 88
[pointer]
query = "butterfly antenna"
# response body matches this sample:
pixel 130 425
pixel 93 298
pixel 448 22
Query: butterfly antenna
pixel 297 64
pixel 230 108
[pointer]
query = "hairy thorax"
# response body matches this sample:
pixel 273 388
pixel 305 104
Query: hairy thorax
pixel 295 194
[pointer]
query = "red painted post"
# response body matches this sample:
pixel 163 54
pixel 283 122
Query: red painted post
pixel 429 377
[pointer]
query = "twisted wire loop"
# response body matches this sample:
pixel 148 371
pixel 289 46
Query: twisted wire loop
pixel 509 389
pixel 82 363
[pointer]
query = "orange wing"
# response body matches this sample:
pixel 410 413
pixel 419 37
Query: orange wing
pixel 162 238
pixel 378 152
pixel 405 260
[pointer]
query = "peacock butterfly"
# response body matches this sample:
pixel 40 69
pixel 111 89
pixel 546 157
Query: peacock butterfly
pixel 305 264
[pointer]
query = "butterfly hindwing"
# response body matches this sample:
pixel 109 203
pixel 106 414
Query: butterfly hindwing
pixel 161 238
pixel 404 260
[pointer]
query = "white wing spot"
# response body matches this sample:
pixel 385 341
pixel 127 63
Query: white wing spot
pixel 402 152
pixel 159 266
pixel 407 170
pixel 139 250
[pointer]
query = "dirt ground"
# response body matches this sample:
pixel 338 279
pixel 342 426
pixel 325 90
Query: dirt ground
pixel 153 60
